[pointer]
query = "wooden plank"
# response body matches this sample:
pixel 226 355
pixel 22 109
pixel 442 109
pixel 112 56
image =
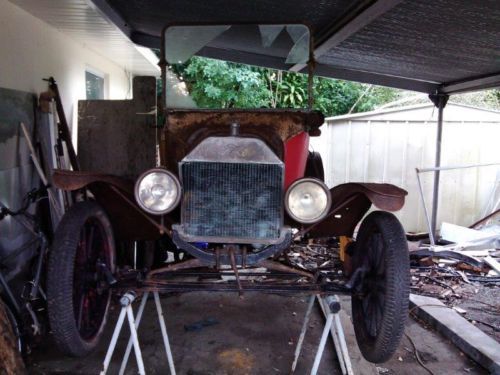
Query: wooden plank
pixel 467 337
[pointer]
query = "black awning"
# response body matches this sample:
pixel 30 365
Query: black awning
pixel 426 45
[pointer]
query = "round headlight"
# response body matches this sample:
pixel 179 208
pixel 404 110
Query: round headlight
pixel 157 191
pixel 308 200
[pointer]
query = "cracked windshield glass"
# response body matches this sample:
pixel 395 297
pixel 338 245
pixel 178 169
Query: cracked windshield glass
pixel 194 80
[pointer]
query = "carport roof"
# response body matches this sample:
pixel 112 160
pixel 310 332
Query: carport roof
pixel 446 46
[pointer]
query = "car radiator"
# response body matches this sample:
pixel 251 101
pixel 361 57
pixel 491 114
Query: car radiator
pixel 234 202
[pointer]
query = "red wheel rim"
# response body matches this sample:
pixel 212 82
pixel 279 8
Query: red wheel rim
pixel 91 291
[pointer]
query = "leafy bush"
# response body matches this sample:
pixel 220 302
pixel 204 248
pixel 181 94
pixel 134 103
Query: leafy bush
pixel 221 84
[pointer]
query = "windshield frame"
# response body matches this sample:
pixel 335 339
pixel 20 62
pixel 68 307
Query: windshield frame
pixel 163 64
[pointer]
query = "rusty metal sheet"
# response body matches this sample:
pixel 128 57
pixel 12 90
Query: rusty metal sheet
pixel 129 221
pixel 187 128
pixel 343 218
pixel 384 196
pixel 74 180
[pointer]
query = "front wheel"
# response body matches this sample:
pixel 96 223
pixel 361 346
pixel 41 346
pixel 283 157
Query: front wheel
pixel 380 299
pixel 81 261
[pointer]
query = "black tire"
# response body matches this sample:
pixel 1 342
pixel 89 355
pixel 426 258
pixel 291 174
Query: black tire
pixel 77 292
pixel 380 301
pixel 314 166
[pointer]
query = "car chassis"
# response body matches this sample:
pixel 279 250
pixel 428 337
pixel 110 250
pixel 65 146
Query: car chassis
pixel 268 143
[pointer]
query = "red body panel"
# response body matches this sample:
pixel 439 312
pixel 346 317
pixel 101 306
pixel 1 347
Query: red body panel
pixel 296 151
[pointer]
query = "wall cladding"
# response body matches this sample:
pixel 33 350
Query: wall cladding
pixel 17 175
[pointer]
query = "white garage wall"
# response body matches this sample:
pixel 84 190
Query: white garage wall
pixel 388 146
pixel 32 50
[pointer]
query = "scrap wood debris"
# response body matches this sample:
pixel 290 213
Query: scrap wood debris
pixel 463 271
pixel 463 277
pixel 315 255
pixel 464 255
pixel 468 256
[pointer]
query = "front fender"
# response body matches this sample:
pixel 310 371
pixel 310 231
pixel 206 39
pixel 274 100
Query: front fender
pixel 343 218
pixel 116 196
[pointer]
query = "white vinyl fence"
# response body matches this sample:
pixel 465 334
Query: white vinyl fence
pixel 387 146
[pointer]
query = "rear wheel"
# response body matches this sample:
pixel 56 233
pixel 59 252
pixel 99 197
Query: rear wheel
pixel 81 261
pixel 380 300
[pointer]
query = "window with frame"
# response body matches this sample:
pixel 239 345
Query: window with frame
pixel 94 86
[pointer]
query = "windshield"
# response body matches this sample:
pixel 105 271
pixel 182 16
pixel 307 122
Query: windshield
pixel 187 50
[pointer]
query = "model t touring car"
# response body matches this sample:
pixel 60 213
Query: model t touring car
pixel 233 189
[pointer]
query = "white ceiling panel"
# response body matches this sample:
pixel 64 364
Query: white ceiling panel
pixel 83 22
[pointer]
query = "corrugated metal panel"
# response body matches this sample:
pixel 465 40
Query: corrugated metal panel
pixel 17 176
pixel 151 16
pixel 83 22
pixel 373 150
pixel 414 45
pixel 430 40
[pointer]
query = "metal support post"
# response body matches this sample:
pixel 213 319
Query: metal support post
pixel 322 343
pixel 343 345
pixel 164 333
pixel 130 341
pixel 331 310
pixel 303 331
pixel 135 340
pixel 429 225
pixel 331 304
pixel 439 101
pixel 126 303
pixel 331 307
pixel 325 308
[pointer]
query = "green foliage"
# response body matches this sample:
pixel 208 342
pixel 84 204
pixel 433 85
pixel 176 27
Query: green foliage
pixel 286 90
pixel 219 84
pixel 489 99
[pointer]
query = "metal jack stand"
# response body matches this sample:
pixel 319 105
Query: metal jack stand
pixel 331 307
pixel 126 302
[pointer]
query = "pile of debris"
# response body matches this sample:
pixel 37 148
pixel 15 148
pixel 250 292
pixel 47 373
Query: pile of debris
pixel 315 256
pixel 463 271
pixel 464 255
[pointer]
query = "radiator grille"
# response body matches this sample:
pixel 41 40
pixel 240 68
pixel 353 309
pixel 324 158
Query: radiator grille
pixel 239 200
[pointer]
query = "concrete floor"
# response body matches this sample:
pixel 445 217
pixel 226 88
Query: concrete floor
pixel 255 334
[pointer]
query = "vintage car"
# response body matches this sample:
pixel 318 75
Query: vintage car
pixel 232 189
